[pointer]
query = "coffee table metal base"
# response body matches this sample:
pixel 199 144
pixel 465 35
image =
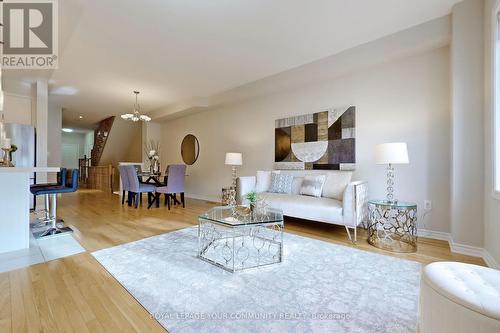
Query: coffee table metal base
pixel 237 248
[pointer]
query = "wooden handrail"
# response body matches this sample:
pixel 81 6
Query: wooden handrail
pixel 83 165
pixel 101 135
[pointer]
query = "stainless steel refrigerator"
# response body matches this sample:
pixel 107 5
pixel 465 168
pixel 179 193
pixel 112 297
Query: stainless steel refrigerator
pixel 23 137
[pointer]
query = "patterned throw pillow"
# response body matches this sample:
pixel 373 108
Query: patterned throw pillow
pixel 281 183
pixel 313 185
pixel 263 182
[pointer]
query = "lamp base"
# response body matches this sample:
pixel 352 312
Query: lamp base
pixel 234 176
pixel 390 184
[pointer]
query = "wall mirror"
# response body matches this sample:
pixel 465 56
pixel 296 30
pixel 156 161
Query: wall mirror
pixel 190 149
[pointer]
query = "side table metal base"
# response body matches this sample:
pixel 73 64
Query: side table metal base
pixel 393 245
pixel 393 226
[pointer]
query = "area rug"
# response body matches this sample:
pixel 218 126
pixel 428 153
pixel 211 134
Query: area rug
pixel 319 287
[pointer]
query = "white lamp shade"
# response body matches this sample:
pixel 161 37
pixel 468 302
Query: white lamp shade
pixel 234 159
pixel 392 153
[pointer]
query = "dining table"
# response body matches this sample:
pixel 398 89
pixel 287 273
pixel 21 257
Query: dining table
pixel 153 178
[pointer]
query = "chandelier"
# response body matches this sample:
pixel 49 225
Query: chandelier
pixel 136 116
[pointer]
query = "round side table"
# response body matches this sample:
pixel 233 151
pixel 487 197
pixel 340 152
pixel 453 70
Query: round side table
pixel 229 196
pixel 393 225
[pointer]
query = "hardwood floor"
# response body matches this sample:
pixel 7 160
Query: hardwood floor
pixel 75 294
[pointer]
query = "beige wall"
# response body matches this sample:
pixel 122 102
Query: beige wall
pixel 151 132
pixel 124 144
pixel 403 100
pixel 491 204
pixel 17 109
pixel 467 60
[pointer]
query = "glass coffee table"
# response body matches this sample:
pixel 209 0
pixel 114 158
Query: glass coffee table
pixel 235 239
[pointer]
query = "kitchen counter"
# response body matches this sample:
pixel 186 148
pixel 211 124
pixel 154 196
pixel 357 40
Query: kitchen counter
pixel 29 170
pixel 15 206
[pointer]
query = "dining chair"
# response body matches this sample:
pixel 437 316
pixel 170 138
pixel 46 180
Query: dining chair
pixel 175 184
pixel 136 187
pixel 138 170
pixel 125 183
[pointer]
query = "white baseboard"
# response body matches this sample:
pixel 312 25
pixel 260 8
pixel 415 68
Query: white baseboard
pixel 490 261
pixel 197 197
pixel 434 234
pixel 468 250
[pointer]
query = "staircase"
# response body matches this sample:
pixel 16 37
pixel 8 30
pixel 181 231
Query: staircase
pixel 100 137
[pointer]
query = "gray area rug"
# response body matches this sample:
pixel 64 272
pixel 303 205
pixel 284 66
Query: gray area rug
pixel 319 287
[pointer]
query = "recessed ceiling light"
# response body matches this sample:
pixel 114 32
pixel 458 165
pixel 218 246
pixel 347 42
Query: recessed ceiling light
pixel 64 91
pixel 67 130
pixel 80 117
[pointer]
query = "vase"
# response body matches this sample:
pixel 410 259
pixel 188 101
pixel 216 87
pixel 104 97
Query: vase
pixel 156 167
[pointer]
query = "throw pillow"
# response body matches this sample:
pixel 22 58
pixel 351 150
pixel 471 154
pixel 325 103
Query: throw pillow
pixel 263 182
pixel 313 185
pixel 297 185
pixel 336 183
pixel 281 183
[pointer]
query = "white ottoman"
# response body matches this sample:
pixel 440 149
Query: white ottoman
pixel 457 297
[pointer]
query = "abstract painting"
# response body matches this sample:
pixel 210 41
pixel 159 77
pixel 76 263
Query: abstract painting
pixel 324 140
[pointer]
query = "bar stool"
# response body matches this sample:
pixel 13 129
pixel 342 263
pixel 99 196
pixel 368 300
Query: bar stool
pixel 61 181
pixel 70 186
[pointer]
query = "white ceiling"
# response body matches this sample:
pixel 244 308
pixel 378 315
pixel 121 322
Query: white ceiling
pixel 174 50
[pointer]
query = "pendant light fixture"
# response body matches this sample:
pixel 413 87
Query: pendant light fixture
pixel 136 116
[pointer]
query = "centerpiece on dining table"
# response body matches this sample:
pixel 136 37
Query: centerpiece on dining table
pixel 152 150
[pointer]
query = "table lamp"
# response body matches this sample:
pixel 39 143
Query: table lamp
pixel 234 160
pixel 391 153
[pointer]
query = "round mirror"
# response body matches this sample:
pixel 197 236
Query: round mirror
pixel 190 149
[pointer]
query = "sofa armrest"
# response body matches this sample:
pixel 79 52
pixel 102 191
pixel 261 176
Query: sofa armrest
pixel 244 185
pixel 355 203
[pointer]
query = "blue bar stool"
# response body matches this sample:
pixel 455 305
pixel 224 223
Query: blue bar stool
pixel 71 185
pixel 61 181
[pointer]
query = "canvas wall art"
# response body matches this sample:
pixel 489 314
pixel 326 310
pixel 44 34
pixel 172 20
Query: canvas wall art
pixel 324 140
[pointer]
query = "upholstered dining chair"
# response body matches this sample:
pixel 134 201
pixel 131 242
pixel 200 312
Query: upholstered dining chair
pixel 138 170
pixel 175 184
pixel 136 187
pixel 125 183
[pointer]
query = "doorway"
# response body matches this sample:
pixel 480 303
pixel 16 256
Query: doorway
pixel 70 153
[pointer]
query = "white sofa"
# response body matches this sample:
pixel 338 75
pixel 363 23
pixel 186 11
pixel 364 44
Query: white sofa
pixel 342 202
